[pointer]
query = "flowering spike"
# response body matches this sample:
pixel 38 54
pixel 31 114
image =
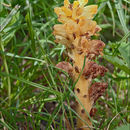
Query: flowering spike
pixel 66 3
pixel 75 4
pixel 75 33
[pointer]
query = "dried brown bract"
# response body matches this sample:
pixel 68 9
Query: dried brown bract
pixel 92 70
pixel 65 66
pixel 93 112
pixel 96 90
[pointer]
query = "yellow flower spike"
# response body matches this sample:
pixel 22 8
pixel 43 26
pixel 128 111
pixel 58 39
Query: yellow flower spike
pixel 75 33
pixel 83 2
pixel 66 3
pixel 58 10
pixel 75 4
pixel 67 11
pixel 92 9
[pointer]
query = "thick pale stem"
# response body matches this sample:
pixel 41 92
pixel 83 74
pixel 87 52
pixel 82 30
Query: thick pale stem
pixel 81 91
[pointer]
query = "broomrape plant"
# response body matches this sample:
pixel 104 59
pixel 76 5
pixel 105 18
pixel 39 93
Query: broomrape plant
pixel 76 33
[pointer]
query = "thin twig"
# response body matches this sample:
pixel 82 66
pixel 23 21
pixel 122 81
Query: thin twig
pixel 114 118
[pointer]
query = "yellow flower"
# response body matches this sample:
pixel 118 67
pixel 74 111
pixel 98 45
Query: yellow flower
pixel 77 22
pixel 75 11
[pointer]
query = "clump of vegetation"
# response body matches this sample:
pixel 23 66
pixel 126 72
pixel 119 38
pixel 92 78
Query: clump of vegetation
pixel 32 93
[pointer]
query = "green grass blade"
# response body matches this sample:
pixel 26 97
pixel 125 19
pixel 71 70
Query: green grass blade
pixel 112 14
pixel 9 18
pixel 31 83
pixel 121 16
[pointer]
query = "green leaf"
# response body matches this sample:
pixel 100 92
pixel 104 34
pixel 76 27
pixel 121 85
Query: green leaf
pixel 11 28
pixel 112 15
pixel 22 57
pixel 7 37
pixel 123 127
pixel 117 62
pixel 125 52
pixel 1 6
pixel 31 83
pixel 9 18
pixel 127 1
pixel 118 5
pixel 31 30
pixel 5 125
